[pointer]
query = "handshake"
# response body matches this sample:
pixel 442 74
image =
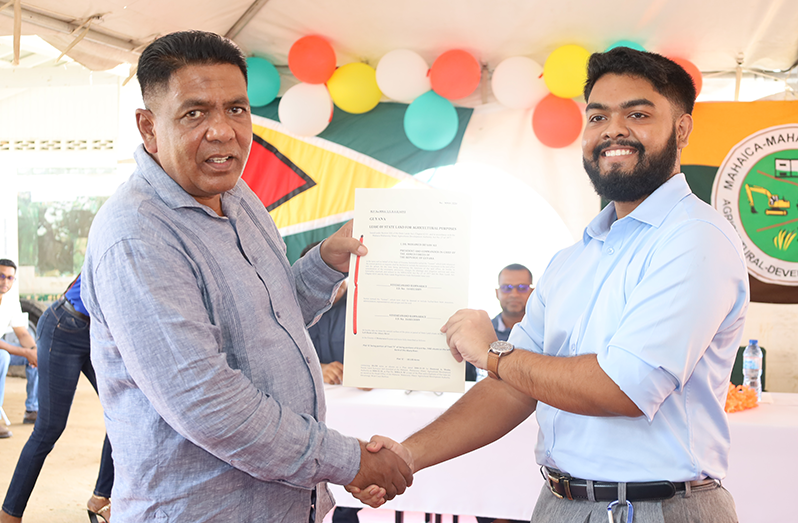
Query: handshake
pixel 386 470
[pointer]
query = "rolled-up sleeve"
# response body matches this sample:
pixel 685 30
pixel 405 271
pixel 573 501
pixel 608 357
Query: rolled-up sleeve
pixel 691 283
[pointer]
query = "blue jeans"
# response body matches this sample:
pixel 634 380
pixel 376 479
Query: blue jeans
pixel 64 350
pixel 32 373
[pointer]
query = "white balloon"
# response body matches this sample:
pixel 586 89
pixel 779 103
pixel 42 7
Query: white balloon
pixel 402 75
pixel 517 82
pixel 306 109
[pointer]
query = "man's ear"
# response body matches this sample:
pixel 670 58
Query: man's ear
pixel 684 126
pixel 145 121
pixel 497 294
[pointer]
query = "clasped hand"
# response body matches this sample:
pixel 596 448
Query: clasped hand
pixel 384 473
pixel 375 493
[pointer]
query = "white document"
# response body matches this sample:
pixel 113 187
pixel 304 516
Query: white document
pixel 414 277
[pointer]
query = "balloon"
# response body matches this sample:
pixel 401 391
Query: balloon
pixel 306 109
pixel 402 75
pixel 626 43
pixel 517 82
pixel 263 81
pixel 692 70
pixel 455 74
pixel 311 59
pixel 565 71
pixel 353 88
pixel 557 122
pixel 431 122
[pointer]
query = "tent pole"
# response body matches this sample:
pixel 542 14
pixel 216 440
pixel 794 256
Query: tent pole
pixel 739 76
pixel 248 15
pixel 17 29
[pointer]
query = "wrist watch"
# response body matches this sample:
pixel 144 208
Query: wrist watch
pixel 497 350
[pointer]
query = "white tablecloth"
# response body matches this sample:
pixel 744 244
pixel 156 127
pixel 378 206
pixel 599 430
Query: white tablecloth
pixel 503 480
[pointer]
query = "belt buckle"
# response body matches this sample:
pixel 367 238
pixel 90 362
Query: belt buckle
pixel 564 480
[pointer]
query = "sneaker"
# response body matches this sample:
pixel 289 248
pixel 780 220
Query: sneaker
pixel 4 432
pixel 30 417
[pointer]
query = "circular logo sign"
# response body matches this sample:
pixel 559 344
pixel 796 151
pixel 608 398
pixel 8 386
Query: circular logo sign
pixel 756 189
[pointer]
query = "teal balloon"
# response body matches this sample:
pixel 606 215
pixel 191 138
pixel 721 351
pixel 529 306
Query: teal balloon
pixel 626 43
pixel 431 122
pixel 263 81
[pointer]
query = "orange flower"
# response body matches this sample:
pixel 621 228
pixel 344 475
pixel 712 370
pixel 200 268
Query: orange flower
pixel 740 398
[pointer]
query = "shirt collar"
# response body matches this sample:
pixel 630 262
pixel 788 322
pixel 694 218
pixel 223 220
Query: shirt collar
pixel 651 211
pixel 169 190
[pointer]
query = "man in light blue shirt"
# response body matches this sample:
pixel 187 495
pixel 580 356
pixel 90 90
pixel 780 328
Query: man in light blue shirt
pixel 212 391
pixel 629 338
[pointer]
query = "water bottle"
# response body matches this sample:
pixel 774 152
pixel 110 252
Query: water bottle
pixel 752 367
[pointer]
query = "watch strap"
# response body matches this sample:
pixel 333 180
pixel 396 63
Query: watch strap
pixel 493 365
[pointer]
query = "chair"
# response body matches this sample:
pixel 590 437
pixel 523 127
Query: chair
pixel 737 370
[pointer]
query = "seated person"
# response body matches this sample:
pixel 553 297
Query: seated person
pixel 18 347
pixel 515 288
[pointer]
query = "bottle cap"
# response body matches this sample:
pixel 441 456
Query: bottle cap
pixel 753 341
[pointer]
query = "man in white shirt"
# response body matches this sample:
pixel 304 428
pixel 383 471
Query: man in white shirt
pixel 12 319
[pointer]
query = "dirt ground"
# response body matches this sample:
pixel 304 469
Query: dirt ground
pixel 70 471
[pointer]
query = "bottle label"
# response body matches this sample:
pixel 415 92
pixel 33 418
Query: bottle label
pixel 751 364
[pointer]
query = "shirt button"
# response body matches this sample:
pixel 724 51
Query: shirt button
pixel 610 251
pixel 307 358
pixel 548 453
pixel 277 314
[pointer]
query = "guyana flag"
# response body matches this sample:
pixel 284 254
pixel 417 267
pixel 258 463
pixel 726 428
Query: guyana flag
pixel 308 184
pixel 743 159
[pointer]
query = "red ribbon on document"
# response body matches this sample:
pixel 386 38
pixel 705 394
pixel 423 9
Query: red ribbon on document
pixel 354 311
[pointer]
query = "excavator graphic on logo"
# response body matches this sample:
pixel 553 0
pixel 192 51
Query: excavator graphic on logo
pixel 776 206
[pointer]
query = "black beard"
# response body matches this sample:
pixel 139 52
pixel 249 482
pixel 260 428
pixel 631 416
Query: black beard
pixel 650 172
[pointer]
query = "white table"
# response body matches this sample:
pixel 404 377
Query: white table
pixel 503 480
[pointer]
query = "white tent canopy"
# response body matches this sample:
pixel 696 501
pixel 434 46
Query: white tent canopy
pixel 715 36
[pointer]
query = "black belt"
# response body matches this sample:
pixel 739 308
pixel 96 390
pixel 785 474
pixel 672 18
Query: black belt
pixel 567 487
pixel 74 312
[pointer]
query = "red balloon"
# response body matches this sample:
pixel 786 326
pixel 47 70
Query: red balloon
pixel 693 71
pixel 455 74
pixel 312 59
pixel 557 122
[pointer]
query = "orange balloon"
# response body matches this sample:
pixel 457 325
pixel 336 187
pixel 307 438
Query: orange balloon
pixel 312 59
pixel 692 70
pixel 557 122
pixel 455 74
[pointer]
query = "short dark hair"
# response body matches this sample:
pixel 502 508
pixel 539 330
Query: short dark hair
pixel 666 76
pixel 516 267
pixel 5 262
pixel 169 53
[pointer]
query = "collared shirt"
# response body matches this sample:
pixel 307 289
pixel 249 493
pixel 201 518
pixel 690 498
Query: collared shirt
pixel 502 332
pixel 212 391
pixel 660 296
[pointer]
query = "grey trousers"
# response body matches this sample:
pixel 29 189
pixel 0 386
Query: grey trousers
pixel 708 505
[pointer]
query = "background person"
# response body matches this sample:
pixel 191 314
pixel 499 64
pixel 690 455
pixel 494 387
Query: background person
pixel 12 319
pixel 64 352
pixel 515 287
pixel 212 391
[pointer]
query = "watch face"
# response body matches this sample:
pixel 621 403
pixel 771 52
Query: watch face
pixel 501 347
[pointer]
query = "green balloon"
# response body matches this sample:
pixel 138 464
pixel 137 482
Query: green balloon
pixel 431 122
pixel 626 43
pixel 264 81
